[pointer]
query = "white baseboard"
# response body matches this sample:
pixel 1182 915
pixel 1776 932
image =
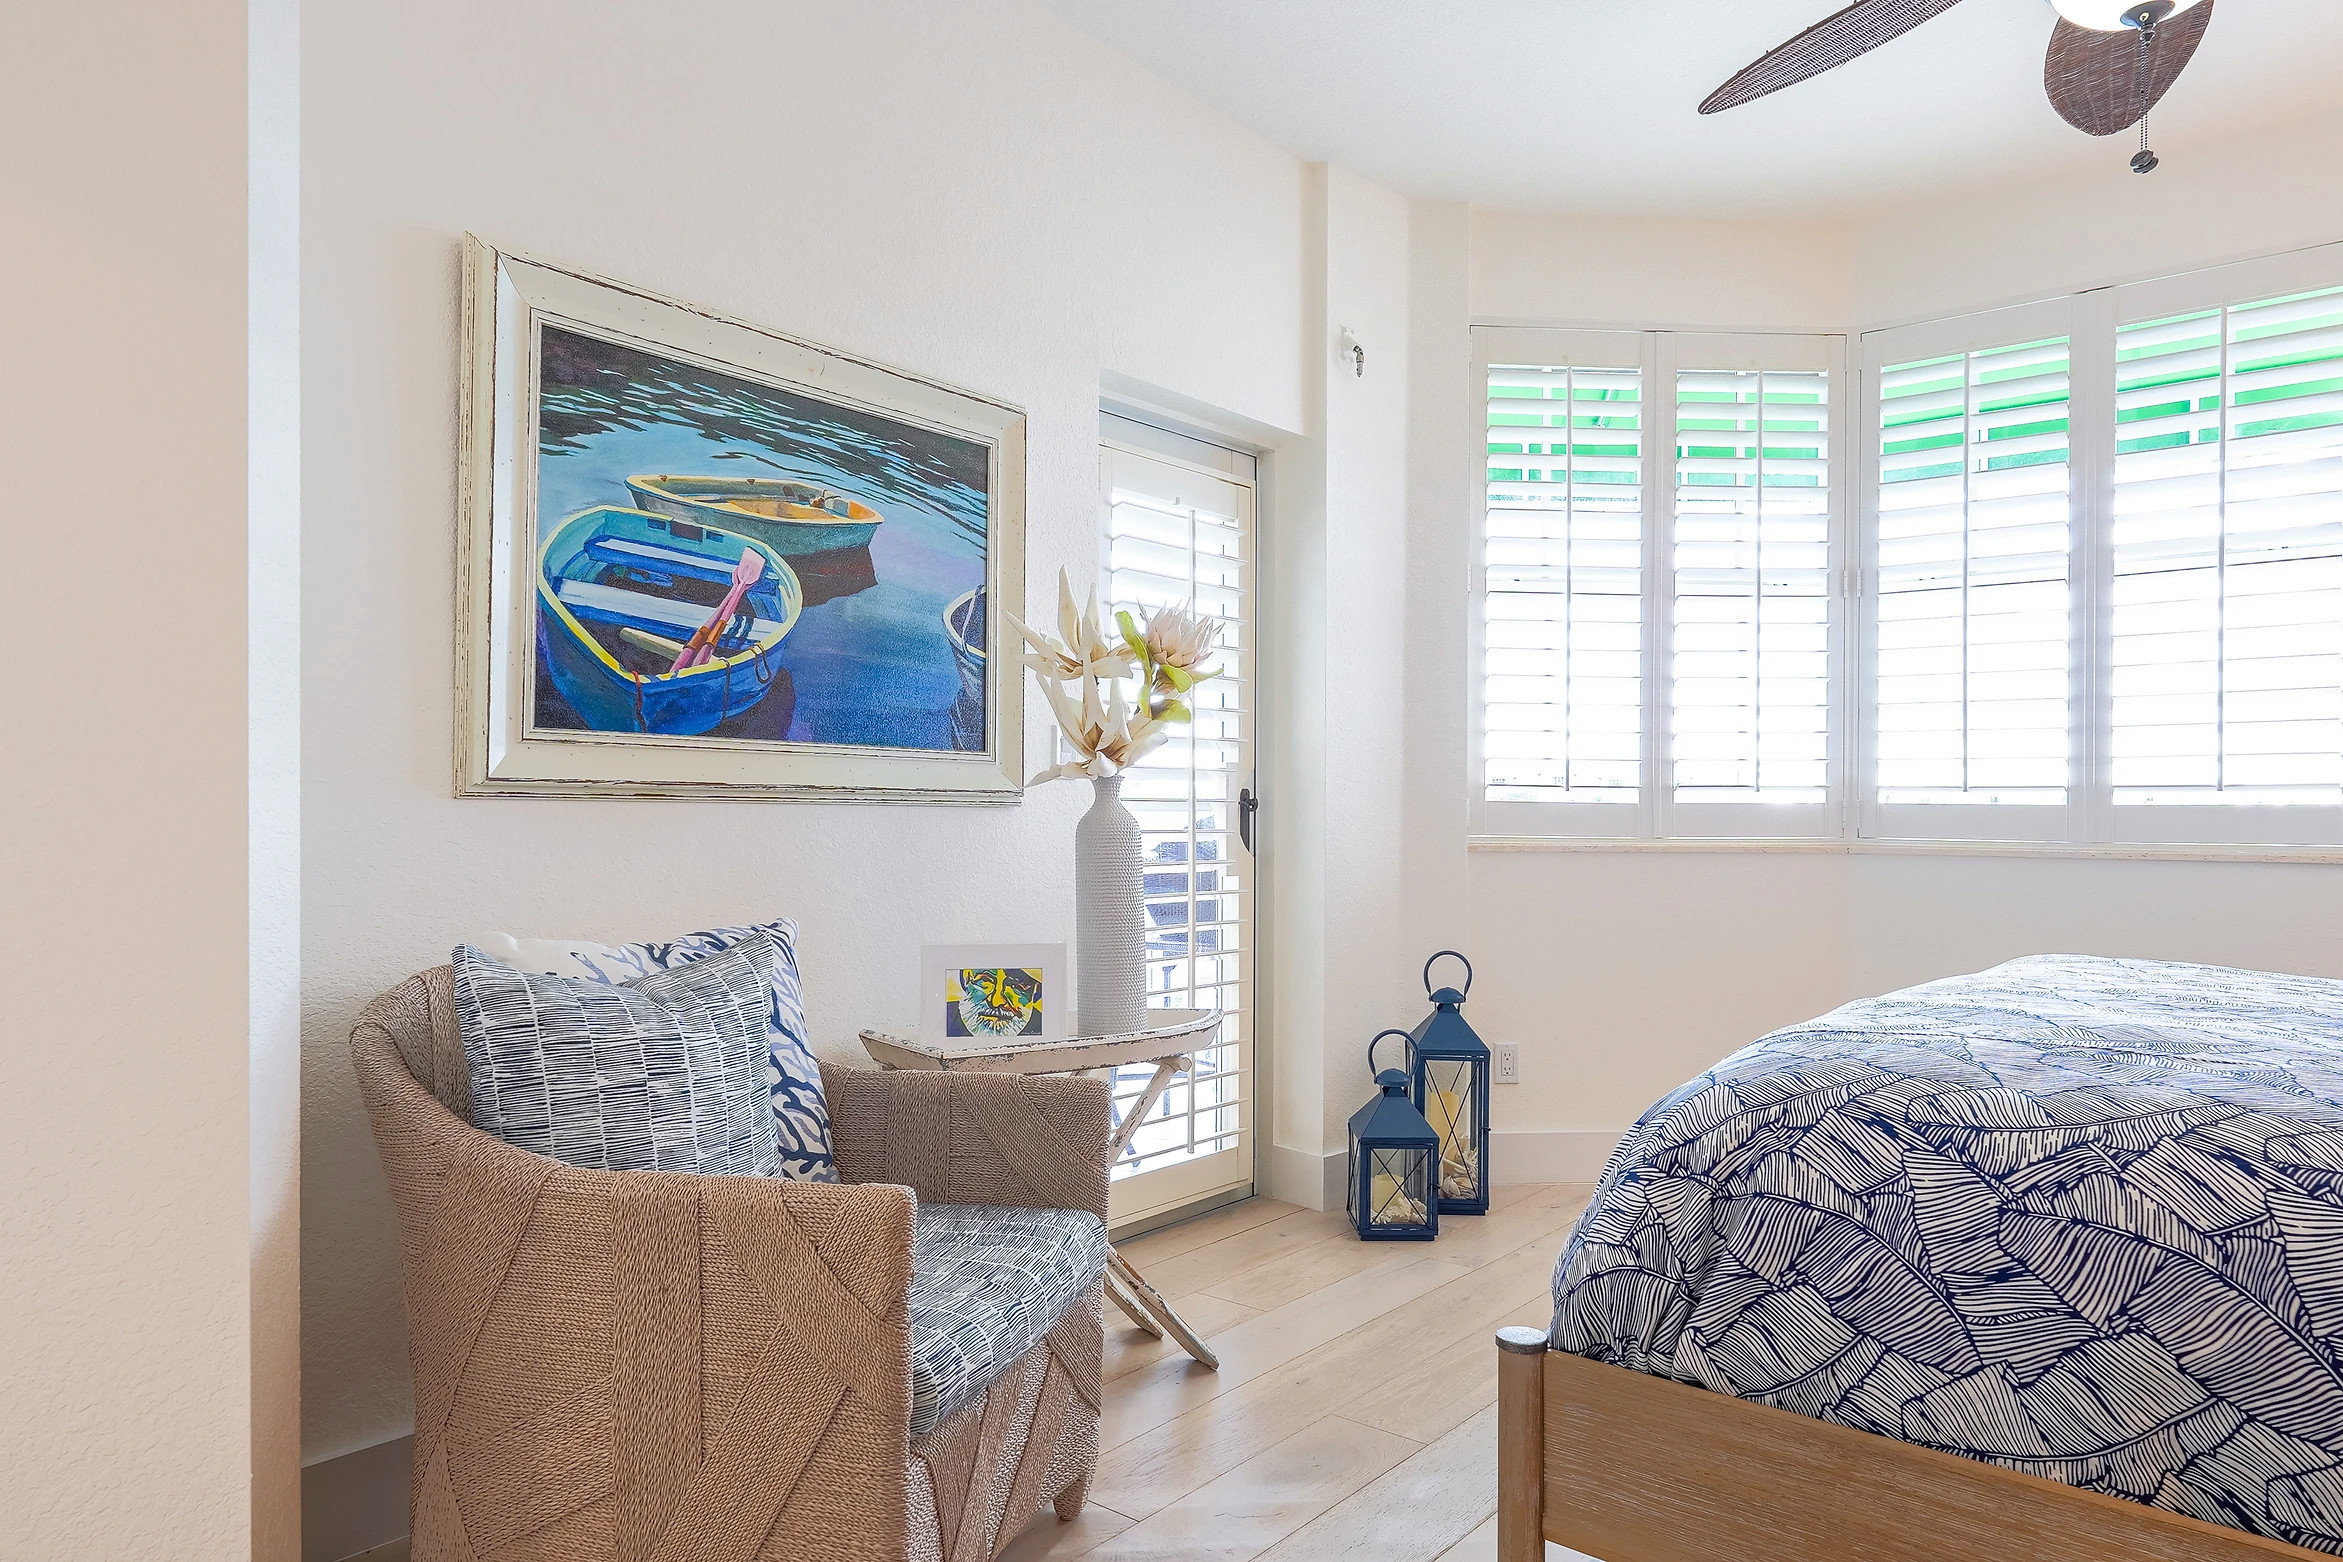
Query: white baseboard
pixel 1301 1177
pixel 1534 1155
pixel 1551 1154
pixel 356 1502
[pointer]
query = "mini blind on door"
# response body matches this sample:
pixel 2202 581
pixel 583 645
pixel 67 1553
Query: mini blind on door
pixel 1562 694
pixel 2227 537
pixel 1971 656
pixel 1176 535
pixel 1749 671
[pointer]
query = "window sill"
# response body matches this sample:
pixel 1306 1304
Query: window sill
pixel 1906 848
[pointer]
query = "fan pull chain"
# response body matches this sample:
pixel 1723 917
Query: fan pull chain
pixel 2144 161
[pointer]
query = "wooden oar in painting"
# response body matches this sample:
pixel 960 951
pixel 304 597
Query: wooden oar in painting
pixel 657 645
pixel 702 645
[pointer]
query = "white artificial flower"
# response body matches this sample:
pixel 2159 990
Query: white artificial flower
pixel 1085 652
pixel 1180 638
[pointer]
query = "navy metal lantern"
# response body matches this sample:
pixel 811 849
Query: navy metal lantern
pixel 1452 1091
pixel 1394 1156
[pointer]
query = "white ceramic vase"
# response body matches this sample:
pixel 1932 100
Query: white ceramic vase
pixel 1110 919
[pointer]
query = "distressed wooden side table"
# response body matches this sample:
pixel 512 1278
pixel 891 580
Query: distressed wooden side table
pixel 1171 1045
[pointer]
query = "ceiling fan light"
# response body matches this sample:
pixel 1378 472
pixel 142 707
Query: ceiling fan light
pixel 2110 16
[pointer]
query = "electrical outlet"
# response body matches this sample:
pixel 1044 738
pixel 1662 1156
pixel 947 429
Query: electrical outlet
pixel 1508 1064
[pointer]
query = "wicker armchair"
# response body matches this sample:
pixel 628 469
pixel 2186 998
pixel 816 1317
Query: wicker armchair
pixel 654 1367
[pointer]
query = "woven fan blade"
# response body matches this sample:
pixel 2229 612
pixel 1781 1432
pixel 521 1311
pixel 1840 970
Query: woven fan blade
pixel 2093 77
pixel 1828 44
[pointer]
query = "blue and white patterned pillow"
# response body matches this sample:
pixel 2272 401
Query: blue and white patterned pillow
pixel 801 1114
pixel 656 1074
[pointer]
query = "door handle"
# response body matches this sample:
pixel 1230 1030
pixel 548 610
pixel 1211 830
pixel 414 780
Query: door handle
pixel 1247 806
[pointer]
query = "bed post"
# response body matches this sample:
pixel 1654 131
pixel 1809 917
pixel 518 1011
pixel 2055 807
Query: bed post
pixel 1521 1444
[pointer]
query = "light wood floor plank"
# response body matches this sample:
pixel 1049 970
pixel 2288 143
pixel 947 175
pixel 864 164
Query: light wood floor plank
pixel 1046 1538
pixel 1521 1214
pixel 1464 1239
pixel 1195 1270
pixel 1265 1499
pixel 1481 1546
pixel 1226 1221
pixel 1173 1387
pixel 1128 1348
pixel 1414 1512
pixel 1159 1465
pixel 1429 1395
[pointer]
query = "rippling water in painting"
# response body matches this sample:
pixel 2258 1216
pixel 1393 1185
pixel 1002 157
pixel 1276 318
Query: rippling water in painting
pixel 868 662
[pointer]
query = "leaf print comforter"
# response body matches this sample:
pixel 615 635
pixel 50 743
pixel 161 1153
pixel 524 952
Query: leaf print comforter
pixel 2079 1217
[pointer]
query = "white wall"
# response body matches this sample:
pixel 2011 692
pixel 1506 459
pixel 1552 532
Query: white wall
pixel 999 201
pixel 143 1252
pixel 1440 486
pixel 2276 189
pixel 1620 974
pixel 1645 273
pixel 1365 976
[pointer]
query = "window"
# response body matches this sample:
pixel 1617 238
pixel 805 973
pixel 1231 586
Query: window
pixel 1658 669
pixel 1972 580
pixel 2093 596
pixel 2227 609
pixel 1749 686
pixel 1563 667
pixel 2104 596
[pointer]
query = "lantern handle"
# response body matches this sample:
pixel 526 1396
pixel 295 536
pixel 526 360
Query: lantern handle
pixel 1405 1040
pixel 1446 954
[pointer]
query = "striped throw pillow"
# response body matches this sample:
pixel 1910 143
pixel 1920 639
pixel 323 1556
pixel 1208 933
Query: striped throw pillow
pixel 801 1114
pixel 664 1073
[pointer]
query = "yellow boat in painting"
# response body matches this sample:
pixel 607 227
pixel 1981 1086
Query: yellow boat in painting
pixel 792 516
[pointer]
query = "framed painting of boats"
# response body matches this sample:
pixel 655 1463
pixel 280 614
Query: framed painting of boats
pixel 698 558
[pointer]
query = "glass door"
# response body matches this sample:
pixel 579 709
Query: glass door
pixel 1177 527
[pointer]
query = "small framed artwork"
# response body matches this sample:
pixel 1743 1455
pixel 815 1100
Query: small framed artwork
pixel 971 994
pixel 698 558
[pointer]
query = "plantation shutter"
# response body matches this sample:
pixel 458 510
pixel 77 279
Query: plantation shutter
pixel 1753 613
pixel 1660 605
pixel 2227 547
pixel 1175 530
pixel 1971 584
pixel 1563 609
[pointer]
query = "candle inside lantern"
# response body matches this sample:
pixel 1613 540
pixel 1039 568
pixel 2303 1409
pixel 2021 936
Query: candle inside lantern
pixel 1391 1203
pixel 1459 1176
pixel 1450 1112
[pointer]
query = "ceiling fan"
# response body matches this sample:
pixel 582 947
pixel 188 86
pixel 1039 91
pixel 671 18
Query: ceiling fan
pixel 2110 61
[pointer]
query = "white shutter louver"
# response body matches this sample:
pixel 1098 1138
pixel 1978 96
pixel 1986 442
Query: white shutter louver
pixel 2227 538
pixel 1173 535
pixel 1749 674
pixel 1972 578
pixel 1562 663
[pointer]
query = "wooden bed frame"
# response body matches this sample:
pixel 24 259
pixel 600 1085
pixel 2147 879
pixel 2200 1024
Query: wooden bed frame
pixel 1627 1467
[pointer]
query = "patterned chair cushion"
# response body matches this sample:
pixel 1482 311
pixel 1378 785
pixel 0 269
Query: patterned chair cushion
pixel 801 1116
pixel 987 1283
pixel 658 1074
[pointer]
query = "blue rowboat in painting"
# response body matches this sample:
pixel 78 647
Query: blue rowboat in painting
pixel 792 516
pixel 964 627
pixel 619 595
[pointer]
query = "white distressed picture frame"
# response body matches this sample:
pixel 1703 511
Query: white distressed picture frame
pixel 497 753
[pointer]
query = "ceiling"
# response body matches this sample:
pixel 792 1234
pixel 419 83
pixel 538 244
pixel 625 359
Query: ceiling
pixel 1589 105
